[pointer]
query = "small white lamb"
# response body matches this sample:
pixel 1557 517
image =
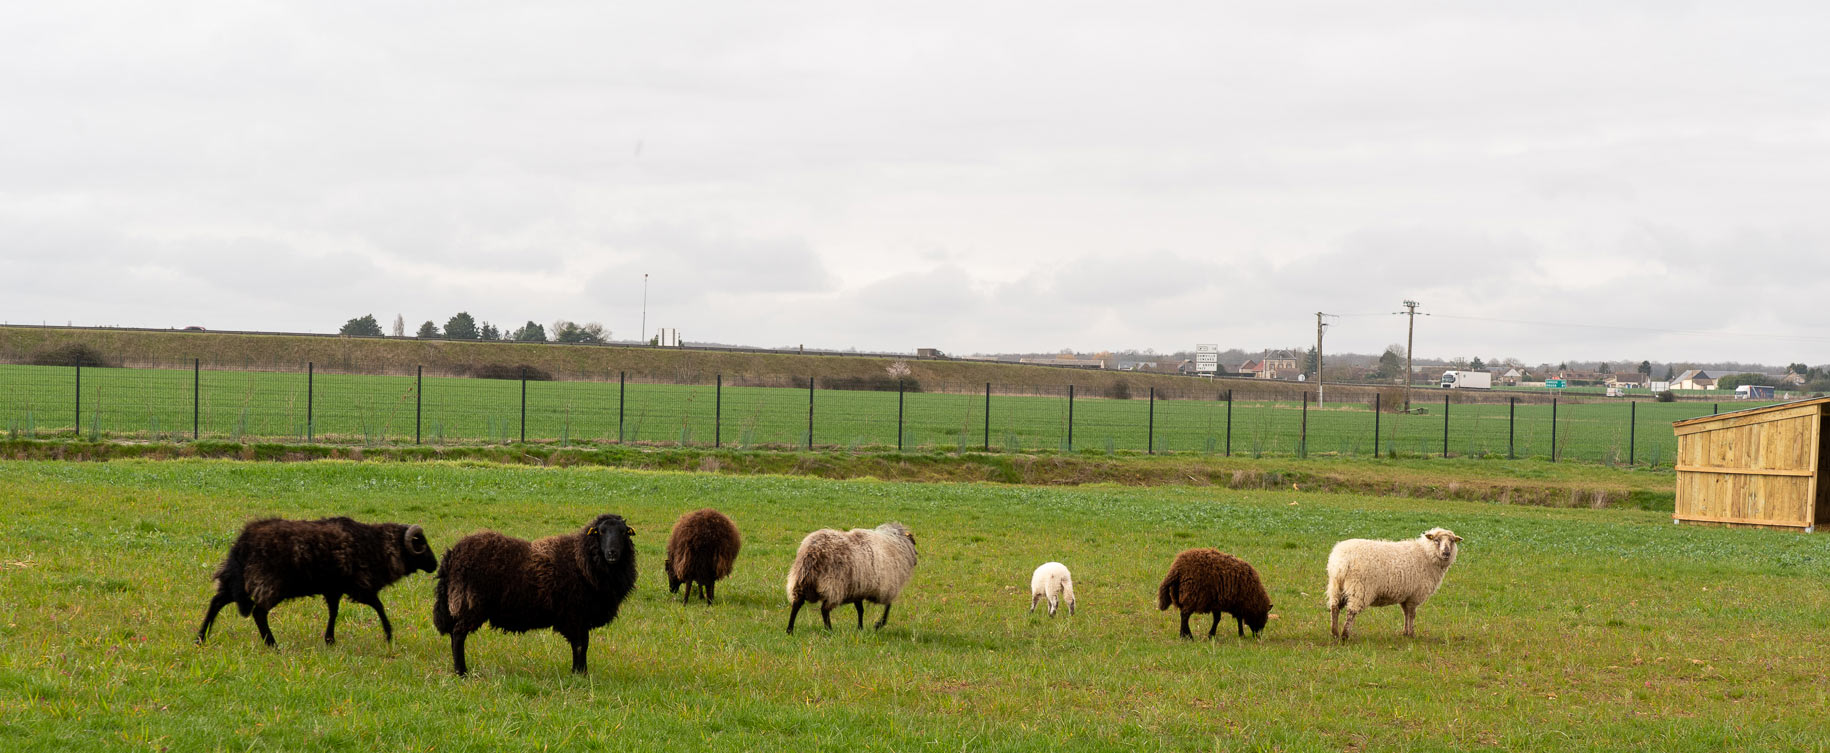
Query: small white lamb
pixel 1365 573
pixel 1052 582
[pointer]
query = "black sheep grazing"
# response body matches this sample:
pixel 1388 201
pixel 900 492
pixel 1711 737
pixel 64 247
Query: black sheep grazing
pixel 1209 581
pixel 700 551
pixel 274 560
pixel 570 583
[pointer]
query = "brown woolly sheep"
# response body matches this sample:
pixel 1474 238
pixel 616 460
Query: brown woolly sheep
pixel 700 551
pixel 273 560
pixel 570 583
pixel 1211 581
pixel 863 564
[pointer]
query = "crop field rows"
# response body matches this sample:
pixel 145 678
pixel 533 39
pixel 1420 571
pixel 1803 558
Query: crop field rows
pixel 41 401
pixel 1556 629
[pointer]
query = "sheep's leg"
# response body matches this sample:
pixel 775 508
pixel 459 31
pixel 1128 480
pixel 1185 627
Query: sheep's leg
pixel 457 653
pixel 791 613
pixel 881 621
pixel 1241 624
pixel 1410 619
pixel 1214 628
pixel 688 595
pixel 860 606
pixel 331 601
pixel 1033 599
pixel 374 602
pixel 260 621
pixel 708 588
pixel 1347 627
pixel 580 644
pixel 1185 631
pixel 1334 620
pixel 826 614
pixel 217 602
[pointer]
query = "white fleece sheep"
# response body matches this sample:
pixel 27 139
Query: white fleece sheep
pixel 1051 582
pixel 1365 573
pixel 863 564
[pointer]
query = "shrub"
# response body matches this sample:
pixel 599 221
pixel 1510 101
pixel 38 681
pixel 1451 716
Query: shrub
pixel 1664 397
pixel 502 371
pixel 71 354
pixel 868 383
pixel 1120 390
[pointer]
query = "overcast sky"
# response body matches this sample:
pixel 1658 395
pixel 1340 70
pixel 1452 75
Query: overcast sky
pixel 971 176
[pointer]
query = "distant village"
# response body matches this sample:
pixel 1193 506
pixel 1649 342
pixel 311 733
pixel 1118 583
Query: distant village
pixel 1298 366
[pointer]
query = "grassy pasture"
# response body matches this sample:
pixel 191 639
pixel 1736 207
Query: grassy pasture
pixel 366 409
pixel 1556 630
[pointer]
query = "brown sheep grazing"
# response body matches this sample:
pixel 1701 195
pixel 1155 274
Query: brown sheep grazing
pixel 1213 582
pixel 274 560
pixel 700 551
pixel 571 583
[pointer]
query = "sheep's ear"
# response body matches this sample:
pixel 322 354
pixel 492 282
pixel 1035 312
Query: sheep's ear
pixel 1455 538
pixel 592 531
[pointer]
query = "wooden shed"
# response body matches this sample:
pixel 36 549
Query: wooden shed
pixel 1756 467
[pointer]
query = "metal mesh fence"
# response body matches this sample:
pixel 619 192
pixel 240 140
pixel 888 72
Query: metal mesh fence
pixel 181 401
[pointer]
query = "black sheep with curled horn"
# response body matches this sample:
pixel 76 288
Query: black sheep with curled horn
pixel 274 560
pixel 571 583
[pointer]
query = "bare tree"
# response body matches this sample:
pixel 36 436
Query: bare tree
pixel 400 326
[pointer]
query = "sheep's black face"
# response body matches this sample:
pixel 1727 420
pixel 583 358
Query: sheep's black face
pixel 419 551
pixel 611 537
pixel 1256 621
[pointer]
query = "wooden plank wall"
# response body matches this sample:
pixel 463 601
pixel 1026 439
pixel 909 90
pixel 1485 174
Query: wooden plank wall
pixel 1752 470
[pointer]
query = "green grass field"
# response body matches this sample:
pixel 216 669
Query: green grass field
pixel 157 404
pixel 1556 630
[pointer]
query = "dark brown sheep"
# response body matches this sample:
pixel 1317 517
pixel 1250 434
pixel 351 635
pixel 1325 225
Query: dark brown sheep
pixel 700 551
pixel 274 560
pixel 571 583
pixel 1209 581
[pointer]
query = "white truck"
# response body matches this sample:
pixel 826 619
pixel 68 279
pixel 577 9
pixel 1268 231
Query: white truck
pixel 1467 380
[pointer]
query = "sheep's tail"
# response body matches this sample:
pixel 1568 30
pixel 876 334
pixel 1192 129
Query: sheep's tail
pixel 441 598
pixel 1166 593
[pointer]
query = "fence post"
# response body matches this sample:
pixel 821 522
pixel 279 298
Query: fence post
pixel 809 412
pixel 1445 426
pixel 196 396
pixel 622 391
pixel 1302 436
pixel 1715 408
pixel 419 399
pixel 1150 428
pixel 524 405
pixel 1376 406
pixel 1229 423
pixel 311 371
pixel 1553 430
pixel 1512 418
pixel 79 400
pixel 1632 424
pixel 718 414
pixel 988 417
pixel 899 410
pixel 1070 440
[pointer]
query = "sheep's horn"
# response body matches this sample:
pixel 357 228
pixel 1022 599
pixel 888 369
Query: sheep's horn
pixel 414 532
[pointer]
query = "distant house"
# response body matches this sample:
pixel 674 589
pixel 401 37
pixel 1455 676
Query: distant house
pixel 1634 380
pixel 1250 369
pixel 1512 377
pixel 1693 379
pixel 1792 379
pixel 1279 364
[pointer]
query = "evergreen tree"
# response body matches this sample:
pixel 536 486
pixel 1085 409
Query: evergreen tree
pixel 1477 365
pixel 427 330
pixel 461 327
pixel 489 332
pixel 364 325
pixel 530 333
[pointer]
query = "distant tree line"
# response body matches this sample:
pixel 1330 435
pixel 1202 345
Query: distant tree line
pixel 462 326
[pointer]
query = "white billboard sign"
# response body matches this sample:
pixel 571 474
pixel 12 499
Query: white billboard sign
pixel 1207 357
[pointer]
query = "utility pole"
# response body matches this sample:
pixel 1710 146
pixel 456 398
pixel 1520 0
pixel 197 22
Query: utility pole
pixel 1318 359
pixel 1410 335
pixel 644 307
